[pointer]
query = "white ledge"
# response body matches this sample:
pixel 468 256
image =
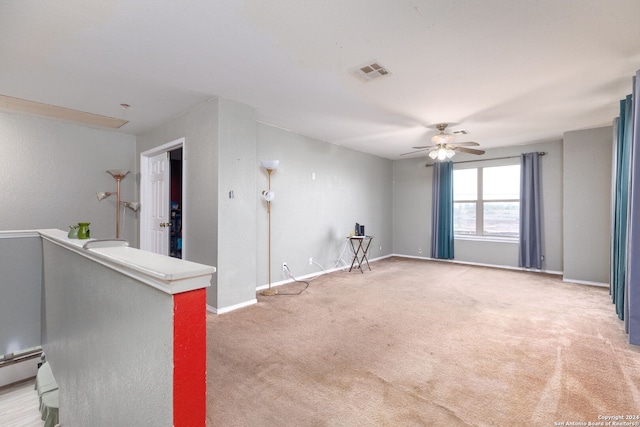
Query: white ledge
pixel 491 239
pixel 170 275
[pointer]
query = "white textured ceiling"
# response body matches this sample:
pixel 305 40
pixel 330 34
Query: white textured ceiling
pixel 508 71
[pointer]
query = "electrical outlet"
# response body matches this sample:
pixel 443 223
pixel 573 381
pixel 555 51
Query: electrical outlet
pixel 310 260
pixel 284 266
pixel 419 251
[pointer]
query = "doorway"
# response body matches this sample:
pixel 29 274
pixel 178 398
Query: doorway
pixel 162 195
pixel 175 202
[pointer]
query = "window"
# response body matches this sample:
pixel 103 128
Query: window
pixel 486 201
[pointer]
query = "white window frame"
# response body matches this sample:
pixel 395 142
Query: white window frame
pixel 479 202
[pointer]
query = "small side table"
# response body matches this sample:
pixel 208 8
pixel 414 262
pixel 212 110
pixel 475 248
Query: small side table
pixel 360 246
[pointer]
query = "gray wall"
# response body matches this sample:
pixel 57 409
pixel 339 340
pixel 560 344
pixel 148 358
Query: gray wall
pixel 219 156
pixel 20 291
pixel 321 190
pixel 412 209
pixel 109 340
pixel 199 127
pixel 60 167
pixel 51 171
pixel 311 217
pixel 588 156
pixel 237 167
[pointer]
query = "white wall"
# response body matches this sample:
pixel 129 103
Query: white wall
pixel 51 171
pixel 412 209
pixel 587 204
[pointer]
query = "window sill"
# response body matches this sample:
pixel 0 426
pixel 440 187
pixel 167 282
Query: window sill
pixel 488 239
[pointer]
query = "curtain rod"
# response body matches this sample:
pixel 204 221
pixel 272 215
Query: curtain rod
pixel 541 153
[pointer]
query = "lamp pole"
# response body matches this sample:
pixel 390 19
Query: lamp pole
pixel 269 291
pixel 118 175
pixel 118 179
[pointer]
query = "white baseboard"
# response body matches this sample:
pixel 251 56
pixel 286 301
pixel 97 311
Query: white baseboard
pixel 316 274
pixel 586 282
pixel 479 264
pixel 231 307
pixel 452 261
pixel 19 371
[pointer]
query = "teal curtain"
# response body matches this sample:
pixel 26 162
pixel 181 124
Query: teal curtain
pixel 442 211
pixel 530 253
pixel 632 282
pixel 622 166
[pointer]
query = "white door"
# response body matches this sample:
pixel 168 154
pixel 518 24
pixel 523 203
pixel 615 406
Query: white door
pixel 159 221
pixel 155 186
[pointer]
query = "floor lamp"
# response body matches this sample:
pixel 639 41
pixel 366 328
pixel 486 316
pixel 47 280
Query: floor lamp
pixel 118 175
pixel 268 195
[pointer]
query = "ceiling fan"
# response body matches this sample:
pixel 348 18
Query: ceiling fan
pixel 443 146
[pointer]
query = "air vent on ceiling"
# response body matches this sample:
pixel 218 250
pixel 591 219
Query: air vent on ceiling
pixel 369 71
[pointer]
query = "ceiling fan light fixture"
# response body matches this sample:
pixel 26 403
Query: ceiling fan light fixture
pixel 442 138
pixel 443 147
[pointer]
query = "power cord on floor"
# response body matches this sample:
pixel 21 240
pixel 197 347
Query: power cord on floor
pixel 295 280
pixel 323 272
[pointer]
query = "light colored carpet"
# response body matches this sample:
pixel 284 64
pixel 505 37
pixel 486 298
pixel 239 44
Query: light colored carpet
pixel 420 343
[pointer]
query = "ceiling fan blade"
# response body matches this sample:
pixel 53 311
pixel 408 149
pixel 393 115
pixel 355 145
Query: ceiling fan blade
pixel 468 150
pixel 455 144
pixel 467 144
pixel 413 152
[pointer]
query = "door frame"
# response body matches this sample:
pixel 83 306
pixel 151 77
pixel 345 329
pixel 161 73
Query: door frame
pixel 145 189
